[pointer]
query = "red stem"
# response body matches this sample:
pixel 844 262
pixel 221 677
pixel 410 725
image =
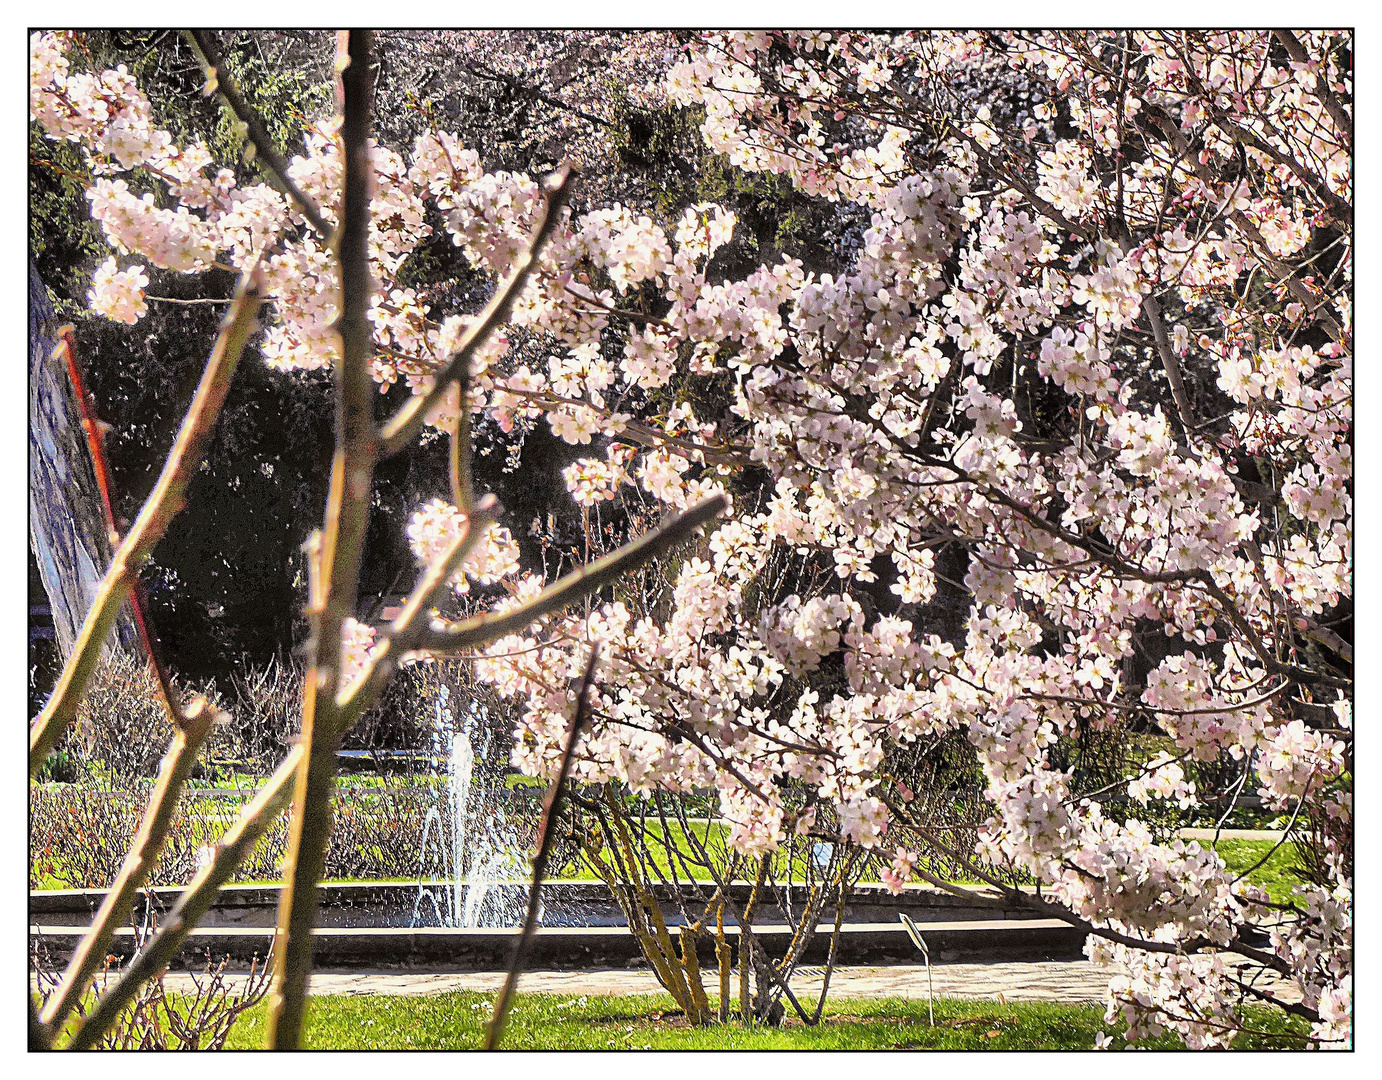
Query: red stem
pixel 95 444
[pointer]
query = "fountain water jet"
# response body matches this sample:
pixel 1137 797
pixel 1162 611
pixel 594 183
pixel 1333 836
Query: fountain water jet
pixel 483 861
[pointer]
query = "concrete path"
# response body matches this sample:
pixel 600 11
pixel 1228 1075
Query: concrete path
pixel 1067 981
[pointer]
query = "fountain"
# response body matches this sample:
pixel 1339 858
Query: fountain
pixel 483 861
pixel 473 885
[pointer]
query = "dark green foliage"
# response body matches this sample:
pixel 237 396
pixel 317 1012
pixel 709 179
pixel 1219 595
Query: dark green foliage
pixel 62 767
pixel 774 218
pixel 63 240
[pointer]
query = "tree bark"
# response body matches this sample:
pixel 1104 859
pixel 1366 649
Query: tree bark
pixel 66 528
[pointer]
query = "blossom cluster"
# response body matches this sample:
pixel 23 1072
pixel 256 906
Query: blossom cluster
pixel 1110 367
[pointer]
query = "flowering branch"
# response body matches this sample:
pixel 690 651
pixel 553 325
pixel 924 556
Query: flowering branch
pixel 1332 105
pixel 219 80
pixel 411 624
pixel 400 431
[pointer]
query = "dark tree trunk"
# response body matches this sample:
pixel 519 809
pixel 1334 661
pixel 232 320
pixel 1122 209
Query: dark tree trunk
pixel 66 526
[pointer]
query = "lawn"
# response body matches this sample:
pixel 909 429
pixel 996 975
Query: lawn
pixel 455 1021
pixel 1277 875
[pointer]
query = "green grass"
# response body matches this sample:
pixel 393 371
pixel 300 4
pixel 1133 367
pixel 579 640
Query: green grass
pixel 1277 875
pixel 550 1022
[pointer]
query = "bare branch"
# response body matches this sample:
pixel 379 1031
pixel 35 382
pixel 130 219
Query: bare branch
pixel 1169 364
pixel 546 831
pixel 90 954
pixel 95 445
pixel 230 851
pixel 343 537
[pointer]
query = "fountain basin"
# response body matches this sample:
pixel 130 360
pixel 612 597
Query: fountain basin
pixel 564 903
pixel 467 949
pixel 354 934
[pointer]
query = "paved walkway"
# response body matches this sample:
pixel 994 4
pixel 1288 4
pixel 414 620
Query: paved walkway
pixel 1069 981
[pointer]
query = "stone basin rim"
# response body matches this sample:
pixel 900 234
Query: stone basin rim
pixel 44 901
pixel 470 949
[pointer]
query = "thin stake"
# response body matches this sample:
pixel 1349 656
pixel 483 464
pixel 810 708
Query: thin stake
pixel 95 445
pixel 546 830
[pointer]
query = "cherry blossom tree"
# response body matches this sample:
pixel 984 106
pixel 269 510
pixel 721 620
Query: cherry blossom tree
pixel 1093 346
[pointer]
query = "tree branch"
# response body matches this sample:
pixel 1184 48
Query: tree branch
pixel 219 79
pixel 1332 105
pixel 411 624
pixel 486 627
pixel 1170 365
pixel 343 537
pixel 546 831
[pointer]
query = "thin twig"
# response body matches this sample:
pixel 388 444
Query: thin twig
pixel 546 831
pixel 198 720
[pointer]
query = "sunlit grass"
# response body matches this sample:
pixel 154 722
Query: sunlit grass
pixel 455 1021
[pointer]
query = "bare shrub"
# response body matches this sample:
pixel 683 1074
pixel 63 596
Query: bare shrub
pixel 267 709
pixel 79 835
pixel 197 1019
pixel 122 725
pixel 377 832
